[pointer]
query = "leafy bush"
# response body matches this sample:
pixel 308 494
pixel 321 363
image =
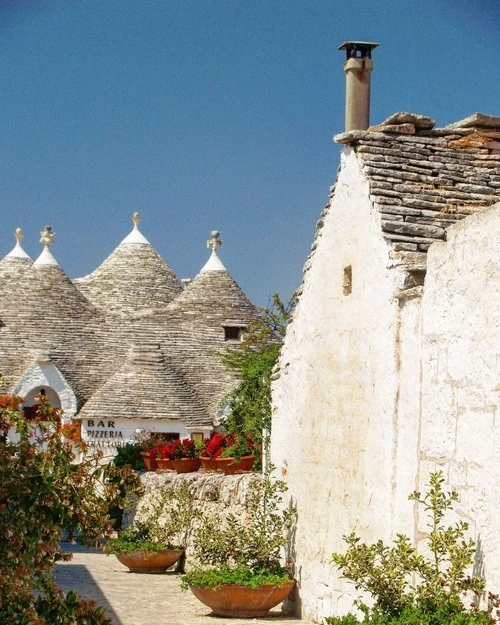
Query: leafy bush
pixel 42 490
pixel 249 404
pixel 222 546
pixel 242 575
pixel 408 587
pixel 165 524
pixel 129 455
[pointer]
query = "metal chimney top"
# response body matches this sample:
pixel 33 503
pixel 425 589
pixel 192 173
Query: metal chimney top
pixel 358 49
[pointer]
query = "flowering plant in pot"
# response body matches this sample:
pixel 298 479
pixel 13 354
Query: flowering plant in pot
pixel 147 441
pixel 238 570
pixel 157 539
pixel 182 455
pixel 229 453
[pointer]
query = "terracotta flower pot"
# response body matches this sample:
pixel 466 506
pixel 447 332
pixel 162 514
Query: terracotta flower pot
pixel 185 465
pixel 234 600
pixel 228 466
pixel 164 464
pixel 149 462
pixel 155 562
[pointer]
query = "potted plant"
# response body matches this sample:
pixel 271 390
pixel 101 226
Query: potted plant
pixel 182 456
pixel 157 539
pixel 229 453
pixel 238 571
pixel 161 455
pixel 147 441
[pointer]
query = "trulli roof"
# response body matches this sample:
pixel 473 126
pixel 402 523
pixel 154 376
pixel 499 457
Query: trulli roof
pixel 133 278
pixel 147 387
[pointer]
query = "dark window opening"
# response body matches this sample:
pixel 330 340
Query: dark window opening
pixel 233 333
pixel 347 282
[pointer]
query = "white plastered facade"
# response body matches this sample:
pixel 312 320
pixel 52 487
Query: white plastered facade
pixel 356 427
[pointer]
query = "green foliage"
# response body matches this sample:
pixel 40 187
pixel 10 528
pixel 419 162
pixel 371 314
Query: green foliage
pixel 449 612
pixel 380 570
pixel 165 524
pixel 129 455
pixel 250 402
pixel 242 575
pixel 409 587
pixel 42 490
pixel 70 609
pixel 223 544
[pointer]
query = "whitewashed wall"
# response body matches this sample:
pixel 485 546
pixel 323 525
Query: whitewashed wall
pixel 378 388
pixel 460 431
pixel 344 403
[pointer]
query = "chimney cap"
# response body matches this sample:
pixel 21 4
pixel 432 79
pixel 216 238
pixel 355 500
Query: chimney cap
pixel 360 49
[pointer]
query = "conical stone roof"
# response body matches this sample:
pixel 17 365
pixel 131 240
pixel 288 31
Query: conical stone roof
pixel 133 279
pixel 147 387
pixel 213 293
pixel 13 266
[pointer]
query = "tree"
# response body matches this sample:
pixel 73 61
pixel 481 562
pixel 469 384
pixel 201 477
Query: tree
pixel 250 402
pixel 42 490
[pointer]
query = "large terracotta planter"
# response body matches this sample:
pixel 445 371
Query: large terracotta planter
pixel 155 562
pixel 185 465
pixel 234 600
pixel 149 461
pixel 164 464
pixel 228 466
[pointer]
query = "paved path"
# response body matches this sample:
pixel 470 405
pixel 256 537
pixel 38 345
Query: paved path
pixel 142 599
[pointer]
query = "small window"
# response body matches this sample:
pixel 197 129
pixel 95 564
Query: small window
pixel 233 333
pixel 347 282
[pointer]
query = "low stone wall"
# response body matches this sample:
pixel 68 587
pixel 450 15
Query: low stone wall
pixel 213 492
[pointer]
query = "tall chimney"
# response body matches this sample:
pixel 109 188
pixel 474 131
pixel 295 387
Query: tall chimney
pixel 358 68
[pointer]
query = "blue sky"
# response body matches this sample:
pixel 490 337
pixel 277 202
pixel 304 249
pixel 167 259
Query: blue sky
pixel 211 114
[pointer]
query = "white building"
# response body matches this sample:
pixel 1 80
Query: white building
pixel 389 370
pixel 124 348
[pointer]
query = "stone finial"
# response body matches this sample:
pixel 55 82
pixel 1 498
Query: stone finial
pixel 47 236
pixel 214 243
pixel 19 236
pixel 136 218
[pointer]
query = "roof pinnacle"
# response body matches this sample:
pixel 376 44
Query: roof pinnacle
pixel 214 242
pixel 19 236
pixel 135 236
pixel 18 251
pixel 46 236
pixel 214 262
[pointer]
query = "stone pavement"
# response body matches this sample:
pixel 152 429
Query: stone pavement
pixel 142 599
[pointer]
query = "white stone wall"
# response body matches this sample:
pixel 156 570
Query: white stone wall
pixel 460 431
pixel 378 388
pixel 214 493
pixel 343 403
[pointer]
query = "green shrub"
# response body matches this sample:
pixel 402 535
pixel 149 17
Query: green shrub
pixel 242 575
pixel 42 490
pixel 165 524
pixel 408 587
pixel 230 549
pixel 129 456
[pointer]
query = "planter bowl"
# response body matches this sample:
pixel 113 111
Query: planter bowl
pixel 233 600
pixel 185 465
pixel 155 562
pixel 149 462
pixel 164 464
pixel 228 466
